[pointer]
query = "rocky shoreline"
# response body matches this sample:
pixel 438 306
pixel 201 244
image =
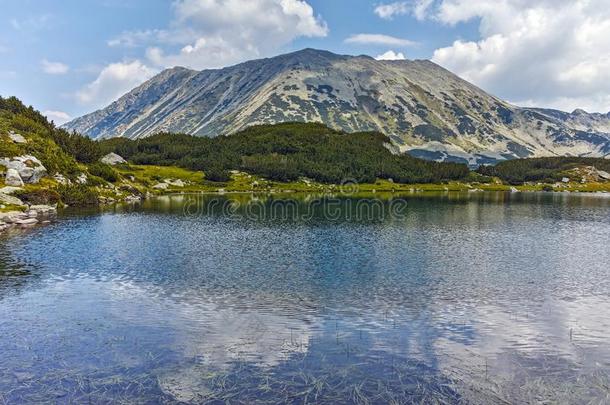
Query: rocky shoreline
pixel 34 215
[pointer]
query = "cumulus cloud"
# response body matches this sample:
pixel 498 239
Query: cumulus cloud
pixel 54 68
pixel 215 33
pixel 59 117
pixel 553 53
pixel 205 34
pixel 113 81
pixel 379 39
pixel 391 55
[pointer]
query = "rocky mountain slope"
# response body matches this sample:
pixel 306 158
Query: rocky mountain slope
pixel 425 109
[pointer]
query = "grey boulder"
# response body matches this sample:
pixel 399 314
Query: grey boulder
pixel 29 169
pixel 12 178
pixel 17 138
pixel 9 199
pixel 113 159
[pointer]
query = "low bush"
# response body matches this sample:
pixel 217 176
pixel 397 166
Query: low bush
pixel 78 194
pixel 104 171
pixel 217 174
pixel 37 197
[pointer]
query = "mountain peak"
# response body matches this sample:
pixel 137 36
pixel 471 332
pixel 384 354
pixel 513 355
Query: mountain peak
pixel 424 109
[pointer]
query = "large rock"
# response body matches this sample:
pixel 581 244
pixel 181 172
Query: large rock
pixel 27 222
pixel 603 175
pixel 9 199
pixel 175 183
pixel 12 217
pixel 113 159
pixel 10 190
pixel 17 138
pixel 29 168
pixel 12 178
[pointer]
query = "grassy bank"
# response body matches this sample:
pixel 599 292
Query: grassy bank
pixel 144 177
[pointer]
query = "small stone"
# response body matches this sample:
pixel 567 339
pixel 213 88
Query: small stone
pixel 61 179
pixel 82 179
pixel 161 186
pixel 133 198
pixel 26 222
pixel 43 208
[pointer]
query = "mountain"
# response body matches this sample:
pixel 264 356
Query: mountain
pixel 425 109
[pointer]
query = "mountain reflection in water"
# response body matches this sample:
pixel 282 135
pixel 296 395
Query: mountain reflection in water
pixel 478 297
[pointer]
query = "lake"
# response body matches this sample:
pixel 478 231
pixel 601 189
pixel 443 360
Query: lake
pixel 444 298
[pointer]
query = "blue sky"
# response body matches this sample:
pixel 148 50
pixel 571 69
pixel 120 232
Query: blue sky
pixel 71 57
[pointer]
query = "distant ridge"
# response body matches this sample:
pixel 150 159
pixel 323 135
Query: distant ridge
pixel 425 109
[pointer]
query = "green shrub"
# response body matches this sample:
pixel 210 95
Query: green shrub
pixel 78 195
pixel 217 174
pixel 546 169
pixel 37 197
pixel 104 171
pixel 8 148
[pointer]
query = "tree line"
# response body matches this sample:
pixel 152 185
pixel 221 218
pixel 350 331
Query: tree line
pixel 286 152
pixel 543 170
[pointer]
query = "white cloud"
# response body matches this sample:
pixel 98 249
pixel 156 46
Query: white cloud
pixel 113 81
pixel 391 55
pixel 388 11
pixel 132 39
pixel 59 117
pixel 553 53
pixel 205 34
pixel 215 33
pixel 379 39
pixel 54 68
pixel 418 8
